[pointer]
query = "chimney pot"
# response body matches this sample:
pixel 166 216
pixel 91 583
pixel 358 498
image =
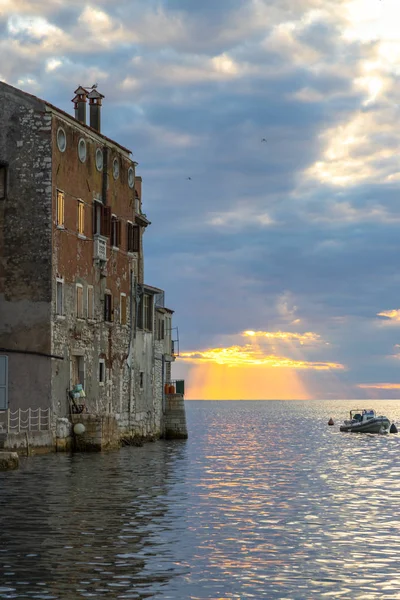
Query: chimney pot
pixel 80 104
pixel 95 99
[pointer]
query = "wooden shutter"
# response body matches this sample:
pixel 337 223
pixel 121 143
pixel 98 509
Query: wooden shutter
pixel 106 221
pixel 136 238
pixel 119 233
pixel 3 173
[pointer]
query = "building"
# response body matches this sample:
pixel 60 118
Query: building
pixel 82 337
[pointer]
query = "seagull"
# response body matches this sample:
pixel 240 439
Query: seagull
pixel 263 140
pixel 189 178
pixel 94 86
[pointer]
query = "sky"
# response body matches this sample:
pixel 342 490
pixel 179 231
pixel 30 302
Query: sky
pixel 280 255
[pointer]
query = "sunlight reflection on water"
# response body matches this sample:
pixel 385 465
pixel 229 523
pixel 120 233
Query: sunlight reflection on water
pixel 263 501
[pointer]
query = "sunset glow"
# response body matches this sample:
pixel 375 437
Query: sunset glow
pixel 249 355
pixel 379 386
pixel 394 315
pixel 213 381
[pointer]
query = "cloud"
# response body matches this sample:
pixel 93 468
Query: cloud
pixel 247 355
pixel 392 315
pixel 379 386
pixel 285 238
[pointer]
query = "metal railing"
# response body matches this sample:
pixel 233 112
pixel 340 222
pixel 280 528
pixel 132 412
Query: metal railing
pixel 30 419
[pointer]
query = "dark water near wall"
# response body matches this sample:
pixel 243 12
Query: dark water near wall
pixel 263 501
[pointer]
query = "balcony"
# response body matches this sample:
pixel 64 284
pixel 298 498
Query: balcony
pixel 175 386
pixel 100 248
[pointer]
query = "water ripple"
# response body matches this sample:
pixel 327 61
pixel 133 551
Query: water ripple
pixel 263 501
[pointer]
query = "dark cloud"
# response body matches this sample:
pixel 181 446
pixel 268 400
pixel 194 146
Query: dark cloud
pixel 263 235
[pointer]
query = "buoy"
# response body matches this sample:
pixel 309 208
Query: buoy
pixel 79 429
pixel 330 422
pixel 393 428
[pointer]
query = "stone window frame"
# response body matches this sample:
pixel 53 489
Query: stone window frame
pixel 102 371
pixel 82 152
pixel 116 232
pixel 60 284
pixel 60 209
pixel 79 313
pixel 88 303
pixel 99 161
pixel 123 304
pixel 61 146
pixel 131 177
pixel 81 218
pixel 115 168
pixel 108 307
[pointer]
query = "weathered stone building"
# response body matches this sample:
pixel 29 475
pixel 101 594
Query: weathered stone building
pixel 75 312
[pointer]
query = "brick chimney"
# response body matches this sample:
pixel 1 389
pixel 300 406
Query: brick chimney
pixel 95 99
pixel 80 104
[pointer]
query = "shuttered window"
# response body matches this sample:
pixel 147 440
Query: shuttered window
pixel 81 218
pixel 108 311
pixel 133 237
pixel 101 219
pixel 60 208
pixel 123 309
pixel 3 182
pixel 115 232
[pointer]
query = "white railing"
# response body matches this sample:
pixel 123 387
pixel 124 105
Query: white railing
pixel 30 419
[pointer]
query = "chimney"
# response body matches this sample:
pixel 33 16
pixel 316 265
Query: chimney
pixel 95 99
pixel 80 104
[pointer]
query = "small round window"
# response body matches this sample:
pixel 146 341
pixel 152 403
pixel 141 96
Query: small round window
pixel 61 139
pixel 99 159
pixel 131 177
pixel 82 150
pixel 115 168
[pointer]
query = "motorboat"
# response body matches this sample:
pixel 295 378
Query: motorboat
pixel 366 421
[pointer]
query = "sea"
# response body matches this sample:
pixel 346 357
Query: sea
pixel 264 500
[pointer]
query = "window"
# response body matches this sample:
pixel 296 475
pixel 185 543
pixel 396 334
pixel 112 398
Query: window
pixel 59 296
pixel 90 302
pixel 61 139
pixel 79 301
pixel 122 316
pixel 108 308
pixel 81 218
pixel 60 208
pixel 133 237
pixel 131 177
pixel 115 232
pixel 3 182
pixel 115 168
pixel 102 371
pixel 160 327
pixel 145 312
pixel 99 159
pixel 141 379
pixel 82 150
pixel 101 219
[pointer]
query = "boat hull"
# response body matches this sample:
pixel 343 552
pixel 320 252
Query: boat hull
pixel 376 425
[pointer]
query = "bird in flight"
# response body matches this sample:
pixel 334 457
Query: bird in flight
pixel 189 178
pixel 263 140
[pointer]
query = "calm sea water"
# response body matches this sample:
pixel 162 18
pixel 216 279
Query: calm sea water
pixel 263 501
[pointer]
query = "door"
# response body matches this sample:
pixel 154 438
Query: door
pixel 3 382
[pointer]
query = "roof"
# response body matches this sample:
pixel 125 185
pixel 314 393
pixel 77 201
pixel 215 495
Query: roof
pixel 65 114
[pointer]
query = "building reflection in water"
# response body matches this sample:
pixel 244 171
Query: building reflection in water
pixel 89 525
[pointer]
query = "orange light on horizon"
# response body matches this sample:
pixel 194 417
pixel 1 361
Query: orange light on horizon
pixel 379 386
pixel 213 381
